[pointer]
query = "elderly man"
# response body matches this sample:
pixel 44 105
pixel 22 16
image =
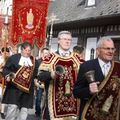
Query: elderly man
pixel 59 74
pixel 97 85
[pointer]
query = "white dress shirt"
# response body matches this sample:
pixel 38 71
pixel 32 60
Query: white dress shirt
pixel 25 61
pixel 104 66
pixel 64 53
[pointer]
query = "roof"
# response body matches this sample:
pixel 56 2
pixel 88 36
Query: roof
pixel 74 10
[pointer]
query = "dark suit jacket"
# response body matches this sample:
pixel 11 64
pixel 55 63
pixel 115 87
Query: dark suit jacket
pixel 81 88
pixel 12 94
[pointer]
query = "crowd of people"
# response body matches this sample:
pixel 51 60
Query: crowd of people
pixel 65 92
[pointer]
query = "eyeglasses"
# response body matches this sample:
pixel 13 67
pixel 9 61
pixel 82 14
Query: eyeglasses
pixel 108 49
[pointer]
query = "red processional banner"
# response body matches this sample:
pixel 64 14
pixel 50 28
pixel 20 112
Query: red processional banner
pixel 29 21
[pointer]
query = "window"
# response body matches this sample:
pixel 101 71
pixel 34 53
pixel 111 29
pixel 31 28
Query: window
pixel 90 3
pixel 92 52
pixel 6 7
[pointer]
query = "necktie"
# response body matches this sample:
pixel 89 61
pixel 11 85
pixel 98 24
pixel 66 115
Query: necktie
pixel 105 69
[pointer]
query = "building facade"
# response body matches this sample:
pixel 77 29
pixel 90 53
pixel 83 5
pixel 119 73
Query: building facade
pixel 87 20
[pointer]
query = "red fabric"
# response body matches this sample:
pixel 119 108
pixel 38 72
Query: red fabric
pixel 23 78
pixel 61 102
pixel 34 32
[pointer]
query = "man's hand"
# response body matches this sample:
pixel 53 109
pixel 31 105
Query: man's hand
pixel 93 87
pixel 42 85
pixel 7 78
pixel 36 82
pixel 39 84
pixel 10 76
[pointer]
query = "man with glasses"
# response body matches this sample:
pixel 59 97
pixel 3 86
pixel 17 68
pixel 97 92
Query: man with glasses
pixel 97 84
pixel 64 43
pixel 59 81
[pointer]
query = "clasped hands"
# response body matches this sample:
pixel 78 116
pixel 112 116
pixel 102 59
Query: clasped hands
pixel 39 84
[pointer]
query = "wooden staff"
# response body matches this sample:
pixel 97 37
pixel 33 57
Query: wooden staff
pixel 5 43
pixel 5 40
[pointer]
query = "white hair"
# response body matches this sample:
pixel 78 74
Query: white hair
pixel 101 40
pixel 63 32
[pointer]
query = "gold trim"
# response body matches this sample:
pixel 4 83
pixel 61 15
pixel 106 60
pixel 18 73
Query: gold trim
pixel 32 69
pixel 118 110
pixel 51 89
pixel 100 88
